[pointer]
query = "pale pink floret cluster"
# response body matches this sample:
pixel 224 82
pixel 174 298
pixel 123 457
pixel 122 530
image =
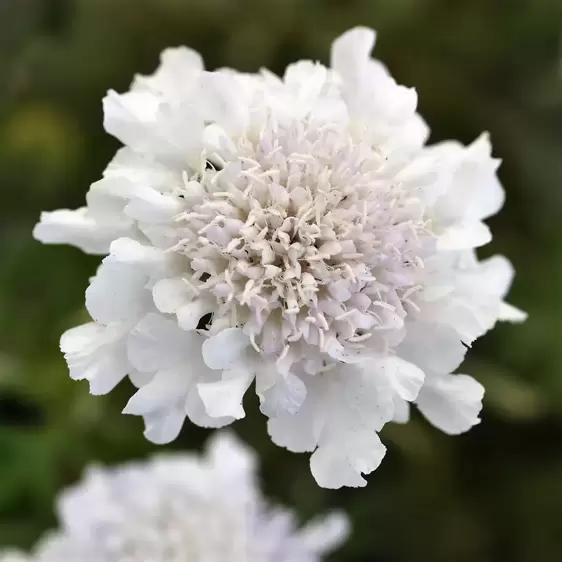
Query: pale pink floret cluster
pixel 181 508
pixel 293 233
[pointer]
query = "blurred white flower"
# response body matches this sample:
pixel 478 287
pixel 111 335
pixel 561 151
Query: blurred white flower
pixel 13 556
pixel 295 233
pixel 181 508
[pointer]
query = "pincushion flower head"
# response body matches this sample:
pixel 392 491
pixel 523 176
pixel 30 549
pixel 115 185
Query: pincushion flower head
pixel 181 508
pixel 292 234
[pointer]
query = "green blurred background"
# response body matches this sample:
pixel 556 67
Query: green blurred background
pixel 494 494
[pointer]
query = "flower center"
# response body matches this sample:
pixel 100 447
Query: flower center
pixel 303 237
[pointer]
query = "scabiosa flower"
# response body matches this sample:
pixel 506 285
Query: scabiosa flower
pixel 294 233
pixel 182 508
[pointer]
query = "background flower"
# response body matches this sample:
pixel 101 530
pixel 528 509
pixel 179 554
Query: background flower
pixel 182 508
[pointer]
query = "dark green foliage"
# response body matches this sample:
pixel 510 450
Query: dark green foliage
pixel 493 495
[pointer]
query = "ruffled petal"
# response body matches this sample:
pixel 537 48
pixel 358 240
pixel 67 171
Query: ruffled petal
pixel 432 347
pixel 174 78
pixel 147 259
pixel 406 379
pixel 451 403
pixel 96 353
pixel 351 53
pixel 139 379
pixel 151 206
pixel 224 397
pixel 343 410
pixel 197 414
pixel 107 198
pixel 149 124
pixel 401 410
pixel 190 314
pixel 164 426
pixel 170 294
pixel 129 117
pixel 225 100
pixel 342 460
pixel 285 396
pixel 143 169
pixel 165 390
pixel 226 349
pixel 118 294
pixel 299 432
pixel 464 235
pixel 157 343
pixel 359 397
pixel 509 313
pixel 475 192
pixel 78 228
pixel 488 195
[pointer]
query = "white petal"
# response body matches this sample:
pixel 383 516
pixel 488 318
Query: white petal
pixel 139 379
pixel 406 379
pixel 476 192
pixel 401 410
pixel 304 82
pixel 414 133
pixel 509 313
pixel 163 427
pixel 464 235
pixel 225 100
pixel 78 228
pixel 96 353
pixel 299 432
pixel 494 276
pixel 129 117
pixel 196 412
pixel 432 347
pixel 488 194
pixel 161 235
pixel 230 455
pixel 224 398
pixel 324 535
pixel 342 411
pixel 362 397
pixel 165 391
pixel 157 343
pixel 478 304
pixel 285 396
pixel 341 462
pixel 148 205
pixel 451 403
pixel 107 198
pixel 217 141
pixel 179 66
pixel 148 124
pixel 351 52
pixel 470 319
pixel 142 169
pixel 226 349
pixel 356 401
pixel 13 555
pixel 117 293
pixel 190 314
pixel 170 294
pixel 146 258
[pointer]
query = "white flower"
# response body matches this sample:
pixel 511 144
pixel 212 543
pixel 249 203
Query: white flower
pixel 295 233
pixel 13 556
pixel 181 508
